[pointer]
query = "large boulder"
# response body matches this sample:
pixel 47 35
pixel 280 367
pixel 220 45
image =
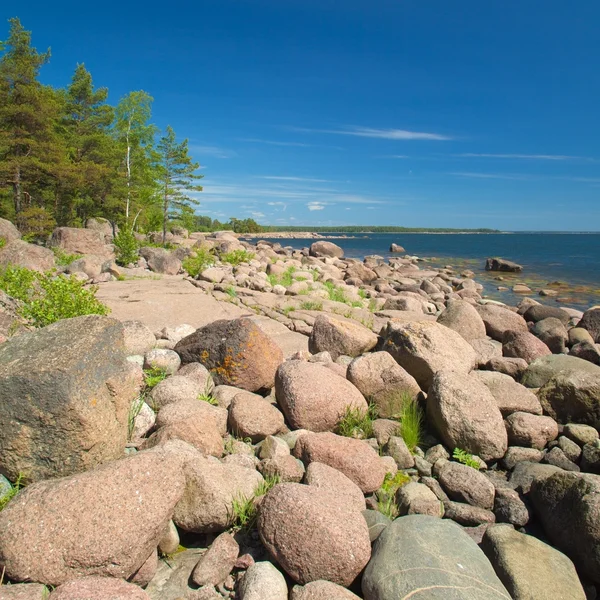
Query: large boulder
pixel 420 555
pixel 591 322
pixel 466 415
pixel 381 379
pixel 313 397
pixel 510 396
pixel 98 588
pixel 343 489
pixel 568 506
pixel 424 348
pixel 462 317
pixel 250 416
pixel 498 320
pixel 160 260
pixel 539 312
pixel 553 333
pixel 65 396
pixel 330 249
pixel 311 536
pixel 354 458
pixel 8 232
pixel 21 254
pixel 237 353
pixel 360 271
pixel 74 240
pixel 501 264
pixel 522 344
pixel 573 398
pixel 322 590
pixel 529 568
pixel 541 370
pixel 103 226
pixel 138 337
pixel 106 521
pixel 340 336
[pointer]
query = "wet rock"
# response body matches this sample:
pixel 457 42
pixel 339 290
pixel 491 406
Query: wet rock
pixel 501 264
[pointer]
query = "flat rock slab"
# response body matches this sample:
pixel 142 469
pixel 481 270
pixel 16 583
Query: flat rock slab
pixel 172 579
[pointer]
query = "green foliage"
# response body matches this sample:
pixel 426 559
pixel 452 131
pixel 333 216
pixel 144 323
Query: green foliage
pixel 14 490
pixel 286 310
pixel 411 419
pixel 357 423
pixel 153 376
pixel 335 294
pixel 62 258
pixel 264 487
pixel 2 242
pixel 244 512
pixel 311 305
pixel 285 279
pixel 388 507
pixel 465 458
pixel 208 397
pixel 47 297
pixel 236 257
pixel 386 494
pixel 35 223
pixel 362 293
pixel 126 246
pixel 134 411
pixel 231 292
pixel 194 265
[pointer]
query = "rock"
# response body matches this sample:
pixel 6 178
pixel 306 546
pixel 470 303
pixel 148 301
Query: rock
pixel 396 448
pixel 516 454
pixel 175 334
pixel 325 249
pixel 467 515
pixel 573 397
pixel 79 389
pixel 417 499
pixel 591 322
pixel 381 379
pixel 383 429
pixel 540 371
pixel 201 434
pixel 254 418
pixel 578 335
pixel 194 411
pixel 510 396
pixel 354 458
pixel 568 506
pixel 8 232
pixel 176 388
pixel 143 422
pixel 361 272
pixel 501 264
pixel 21 254
pixel 218 561
pixel 424 348
pixel 587 351
pixel 262 581
pixel 312 397
pixel 162 359
pixel 582 434
pixel 530 431
pixel 236 352
pixel 322 590
pixel 287 468
pixel 466 415
pixel 405 303
pixel 397 248
pixel 328 479
pixel 273 447
pixel 199 373
pixel 498 320
pixel 570 448
pixel 170 540
pixel 161 260
pixel 91 266
pixel 311 536
pixel 119 512
pixel 23 591
pixel 453 562
pixel 558 458
pixel 462 317
pixel 138 338
pixel 340 337
pixel 553 333
pixel 143 576
pixel 486 350
pixel 465 484
pixel 509 508
pixel 520 288
pixel 98 588
pixel 211 487
pixel 376 522
pixel 526 473
pixel 539 312
pixel 513 367
pixel 522 344
pixel 590 458
pixel 529 568
pixel 74 240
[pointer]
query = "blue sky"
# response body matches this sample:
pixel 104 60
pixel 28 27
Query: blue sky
pixel 401 112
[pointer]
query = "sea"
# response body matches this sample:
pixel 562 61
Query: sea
pixel 566 262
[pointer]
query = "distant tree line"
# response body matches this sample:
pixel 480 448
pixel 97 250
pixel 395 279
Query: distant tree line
pixel 67 155
pixel 370 229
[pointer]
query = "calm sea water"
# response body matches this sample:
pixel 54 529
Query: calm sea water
pixel 573 259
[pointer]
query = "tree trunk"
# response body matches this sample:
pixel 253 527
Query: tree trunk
pixel 165 213
pixel 17 190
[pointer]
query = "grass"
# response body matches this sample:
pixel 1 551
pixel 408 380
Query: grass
pixel 373 304
pixel 386 494
pixel 237 257
pixel 231 292
pixel 362 293
pixel 194 265
pixel 357 423
pixel 465 458
pixel 134 411
pixel 207 397
pixel 153 376
pixel 16 486
pixel 244 512
pixel 311 305
pixel 62 258
pixel 316 275
pixel 47 297
pixel 411 418
pixel 336 294
pixel 285 279
pixel 286 310
pixel 388 507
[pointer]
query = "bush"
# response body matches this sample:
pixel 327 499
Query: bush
pixel 236 257
pixel 46 297
pixel 62 258
pixel 126 246
pixel 194 265
pixel 35 223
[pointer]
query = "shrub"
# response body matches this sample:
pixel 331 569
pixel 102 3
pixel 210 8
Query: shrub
pixel 465 458
pixel 194 265
pixel 62 258
pixel 357 423
pixel 236 257
pixel 47 297
pixel 35 223
pixel 126 247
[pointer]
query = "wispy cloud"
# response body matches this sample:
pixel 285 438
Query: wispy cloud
pixel 257 215
pixel 289 178
pixel 522 156
pixel 370 132
pixel 490 176
pixel 213 151
pixel 315 206
pixel 274 142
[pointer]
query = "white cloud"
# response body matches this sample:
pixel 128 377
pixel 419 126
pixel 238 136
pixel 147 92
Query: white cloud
pixel 491 176
pixel 387 134
pixel 281 178
pixel 214 151
pixel 275 143
pixel 257 215
pixel 522 156
pixel 315 206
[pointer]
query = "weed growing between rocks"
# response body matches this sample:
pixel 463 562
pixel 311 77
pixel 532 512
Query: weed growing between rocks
pixel 134 411
pixel 237 257
pixel 13 491
pixel 356 423
pixel 47 297
pixel 386 494
pixel 244 511
pixel 286 310
pixel 231 292
pixel 62 258
pixel 285 279
pixel 194 265
pixel 411 419
pixel 311 305
pixel 153 376
pixel 465 458
pixel 336 294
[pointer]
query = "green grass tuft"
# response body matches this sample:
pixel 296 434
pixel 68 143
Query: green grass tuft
pixel 311 305
pixel 153 376
pixel 194 265
pixel 231 292
pixel 357 423
pixel 386 494
pixel 465 458
pixel 237 257
pixel 411 419
pixel 62 258
pixel 16 486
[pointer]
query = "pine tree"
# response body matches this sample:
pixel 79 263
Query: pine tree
pixel 177 173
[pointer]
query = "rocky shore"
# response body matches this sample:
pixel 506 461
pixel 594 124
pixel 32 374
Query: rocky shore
pixel 426 442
